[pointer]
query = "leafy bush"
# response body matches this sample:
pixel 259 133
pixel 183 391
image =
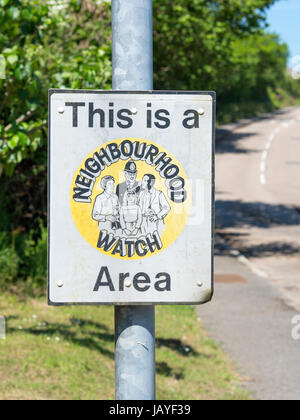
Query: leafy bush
pixel 23 260
pixel 9 266
pixel 45 47
pixel 4 216
pixel 35 257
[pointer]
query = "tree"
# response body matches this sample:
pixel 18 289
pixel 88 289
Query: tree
pixel 260 64
pixel 194 40
pixel 45 47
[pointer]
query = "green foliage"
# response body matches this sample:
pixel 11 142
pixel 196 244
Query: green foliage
pixel 23 257
pixel 35 256
pixel 260 63
pixel 21 90
pixel 45 47
pixel 221 46
pixel 9 265
pixel 4 217
pixel 193 41
pixel 9 261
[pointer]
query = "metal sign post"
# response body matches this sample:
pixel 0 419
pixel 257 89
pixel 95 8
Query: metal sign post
pixel 132 49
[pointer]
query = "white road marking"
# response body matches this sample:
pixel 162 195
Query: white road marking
pixel 262 166
pixel 268 145
pixel 277 130
pixel 244 260
pixel 263 180
pixel 272 138
pixel 264 156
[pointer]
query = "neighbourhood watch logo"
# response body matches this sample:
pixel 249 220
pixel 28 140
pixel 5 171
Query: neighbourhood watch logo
pixel 130 198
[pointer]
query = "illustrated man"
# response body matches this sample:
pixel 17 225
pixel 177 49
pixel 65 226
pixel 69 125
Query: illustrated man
pixel 130 183
pixel 154 206
pixel 106 206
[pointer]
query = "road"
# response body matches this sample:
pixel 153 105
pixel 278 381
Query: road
pixel 258 253
pixel 258 197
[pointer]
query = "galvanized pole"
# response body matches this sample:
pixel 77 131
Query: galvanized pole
pixel 132 47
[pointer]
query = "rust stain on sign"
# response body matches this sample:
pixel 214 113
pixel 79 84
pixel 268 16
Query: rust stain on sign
pixel 229 278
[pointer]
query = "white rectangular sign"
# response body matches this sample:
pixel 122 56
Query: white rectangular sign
pixel 131 197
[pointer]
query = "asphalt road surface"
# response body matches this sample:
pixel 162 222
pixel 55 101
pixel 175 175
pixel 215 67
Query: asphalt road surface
pixel 257 292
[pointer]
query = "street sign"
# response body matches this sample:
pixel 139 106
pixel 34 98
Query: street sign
pixel 131 197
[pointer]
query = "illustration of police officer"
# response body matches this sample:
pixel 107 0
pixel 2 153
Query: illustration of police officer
pixel 130 184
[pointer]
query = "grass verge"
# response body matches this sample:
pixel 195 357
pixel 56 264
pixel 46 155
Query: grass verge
pixel 67 353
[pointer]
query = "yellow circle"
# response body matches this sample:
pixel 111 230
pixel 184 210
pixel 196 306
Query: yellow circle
pixel 147 215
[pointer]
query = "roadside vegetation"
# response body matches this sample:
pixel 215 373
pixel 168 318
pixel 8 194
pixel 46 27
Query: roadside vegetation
pixel 68 354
